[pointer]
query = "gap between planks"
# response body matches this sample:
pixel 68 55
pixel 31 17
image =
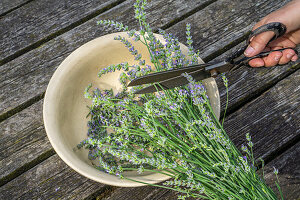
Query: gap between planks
pixel 21 107
pixel 188 14
pixel 27 167
pixel 15 8
pixel 280 151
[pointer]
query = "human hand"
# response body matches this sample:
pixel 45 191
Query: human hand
pixel 288 15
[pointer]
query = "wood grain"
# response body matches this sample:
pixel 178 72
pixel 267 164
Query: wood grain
pixel 272 119
pixel 23 142
pixel 40 19
pixel 52 179
pixel 37 22
pixel 288 165
pixel 8 5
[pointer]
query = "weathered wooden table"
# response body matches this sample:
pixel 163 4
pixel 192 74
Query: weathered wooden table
pixel 36 35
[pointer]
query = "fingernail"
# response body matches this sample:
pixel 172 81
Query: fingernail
pixel 294 58
pixel 249 51
pixel 277 58
pixel 289 55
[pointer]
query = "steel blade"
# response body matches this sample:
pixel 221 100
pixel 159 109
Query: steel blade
pixel 165 75
pixel 174 82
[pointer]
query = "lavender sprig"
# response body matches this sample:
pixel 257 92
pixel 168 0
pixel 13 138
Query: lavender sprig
pixel 117 25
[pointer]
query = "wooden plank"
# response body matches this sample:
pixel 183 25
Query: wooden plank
pixel 23 142
pixel 8 5
pixel 288 165
pixel 39 20
pixel 13 130
pixel 272 119
pixel 27 76
pixel 141 193
pixel 52 179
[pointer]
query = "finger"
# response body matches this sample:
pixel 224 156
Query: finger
pixel 257 62
pixel 295 58
pixel 282 42
pixel 272 59
pixel 258 43
pixel 287 56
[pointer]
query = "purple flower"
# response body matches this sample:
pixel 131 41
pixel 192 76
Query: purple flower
pixel 131 49
pixel 138 57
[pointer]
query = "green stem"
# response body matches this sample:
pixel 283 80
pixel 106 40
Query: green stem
pixel 225 106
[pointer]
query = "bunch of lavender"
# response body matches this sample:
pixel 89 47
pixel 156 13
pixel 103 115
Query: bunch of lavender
pixel 172 132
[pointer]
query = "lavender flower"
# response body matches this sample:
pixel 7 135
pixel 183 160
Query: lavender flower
pixel 275 171
pixel 117 25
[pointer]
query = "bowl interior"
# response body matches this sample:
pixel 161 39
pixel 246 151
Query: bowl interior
pixel 65 108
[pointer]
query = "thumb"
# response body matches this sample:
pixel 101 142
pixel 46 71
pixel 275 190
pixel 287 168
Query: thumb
pixel 258 43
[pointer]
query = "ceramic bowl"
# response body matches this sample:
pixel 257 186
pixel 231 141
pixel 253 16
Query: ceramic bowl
pixel 65 108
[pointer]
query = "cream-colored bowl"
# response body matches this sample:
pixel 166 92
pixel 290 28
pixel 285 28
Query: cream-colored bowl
pixel 65 108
